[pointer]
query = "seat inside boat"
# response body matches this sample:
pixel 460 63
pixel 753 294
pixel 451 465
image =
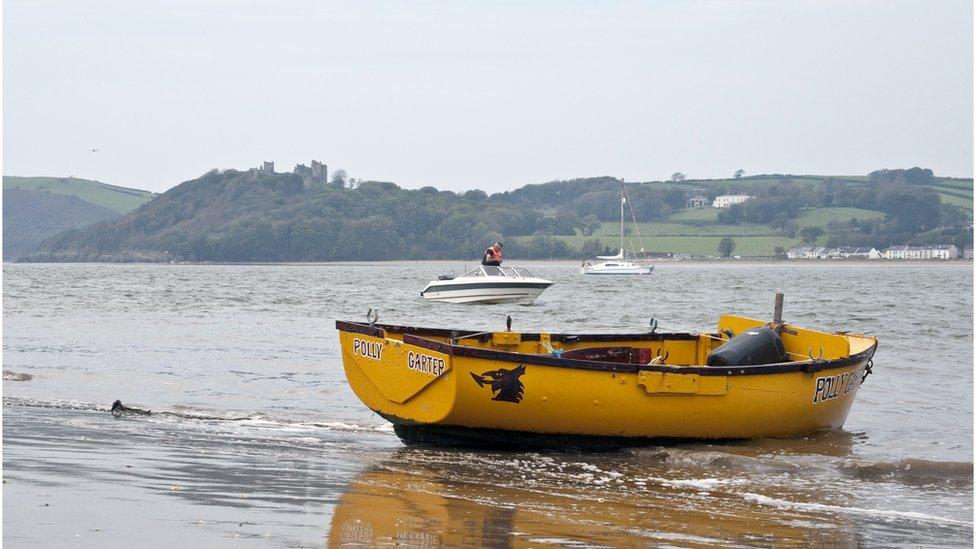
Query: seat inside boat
pixel 618 355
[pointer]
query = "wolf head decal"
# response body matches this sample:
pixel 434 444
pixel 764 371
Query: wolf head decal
pixel 505 384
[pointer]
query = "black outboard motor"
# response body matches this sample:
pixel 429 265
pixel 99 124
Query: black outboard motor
pixel 751 347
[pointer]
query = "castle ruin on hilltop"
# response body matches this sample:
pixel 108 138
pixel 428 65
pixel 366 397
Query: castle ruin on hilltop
pixel 316 174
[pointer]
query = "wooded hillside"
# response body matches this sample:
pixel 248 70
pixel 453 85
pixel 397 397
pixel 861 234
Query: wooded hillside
pixel 247 216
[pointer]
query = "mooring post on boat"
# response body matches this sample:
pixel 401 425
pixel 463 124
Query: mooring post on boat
pixel 778 309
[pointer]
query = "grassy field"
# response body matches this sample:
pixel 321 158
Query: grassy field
pixel 694 245
pixel 961 184
pixel 696 215
pixel 698 232
pixel 958 192
pixel 820 217
pixel 964 203
pixel 686 229
pixel 704 222
pixel 119 199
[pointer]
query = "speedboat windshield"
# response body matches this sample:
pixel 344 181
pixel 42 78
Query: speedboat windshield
pixel 492 270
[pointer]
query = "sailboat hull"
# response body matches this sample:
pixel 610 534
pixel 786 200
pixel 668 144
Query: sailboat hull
pixel 602 269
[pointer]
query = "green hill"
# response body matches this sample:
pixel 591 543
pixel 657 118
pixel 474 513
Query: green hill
pixel 249 216
pixel 36 208
pixel 958 192
pixel 120 199
pixel 29 217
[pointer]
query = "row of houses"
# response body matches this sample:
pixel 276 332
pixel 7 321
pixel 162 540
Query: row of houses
pixel 942 251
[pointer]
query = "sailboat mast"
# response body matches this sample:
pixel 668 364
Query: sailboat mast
pixel 622 200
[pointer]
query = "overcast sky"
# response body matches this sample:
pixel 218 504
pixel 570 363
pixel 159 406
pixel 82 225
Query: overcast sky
pixel 492 95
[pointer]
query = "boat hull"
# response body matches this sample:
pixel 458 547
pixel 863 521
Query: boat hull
pixel 628 271
pixel 454 435
pixel 438 391
pixel 491 292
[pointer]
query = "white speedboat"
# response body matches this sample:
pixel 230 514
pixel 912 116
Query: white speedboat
pixel 615 264
pixel 488 284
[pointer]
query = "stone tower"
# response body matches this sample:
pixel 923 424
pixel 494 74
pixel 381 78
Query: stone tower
pixel 318 174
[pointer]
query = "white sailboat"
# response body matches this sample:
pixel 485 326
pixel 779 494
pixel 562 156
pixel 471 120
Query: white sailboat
pixel 620 264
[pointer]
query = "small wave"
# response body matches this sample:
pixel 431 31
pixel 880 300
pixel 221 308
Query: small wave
pixel 562 542
pixel 14 376
pixel 181 412
pixel 879 513
pixel 912 471
pixel 331 426
pixel 710 459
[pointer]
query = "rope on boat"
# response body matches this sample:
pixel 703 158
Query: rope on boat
pixel 867 369
pixel 552 350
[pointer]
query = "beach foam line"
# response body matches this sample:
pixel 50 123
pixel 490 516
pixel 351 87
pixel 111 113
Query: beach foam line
pixel 877 513
pixel 255 419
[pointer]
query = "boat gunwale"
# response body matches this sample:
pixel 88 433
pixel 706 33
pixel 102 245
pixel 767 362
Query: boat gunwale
pixel 412 336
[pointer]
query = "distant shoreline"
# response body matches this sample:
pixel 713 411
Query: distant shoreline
pixel 470 263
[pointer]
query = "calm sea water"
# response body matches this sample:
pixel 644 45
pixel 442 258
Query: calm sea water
pixel 256 439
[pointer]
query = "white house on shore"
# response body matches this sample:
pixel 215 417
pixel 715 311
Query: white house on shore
pixel 851 252
pixel 940 251
pixel 806 252
pixel 727 200
pixel 797 253
pixel 844 252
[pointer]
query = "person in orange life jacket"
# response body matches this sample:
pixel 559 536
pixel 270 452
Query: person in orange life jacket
pixel 493 255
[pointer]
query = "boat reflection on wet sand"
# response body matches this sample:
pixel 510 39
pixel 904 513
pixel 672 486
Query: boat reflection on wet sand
pixel 408 506
pixel 684 495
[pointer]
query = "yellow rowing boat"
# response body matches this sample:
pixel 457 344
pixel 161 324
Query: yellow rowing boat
pixel 749 379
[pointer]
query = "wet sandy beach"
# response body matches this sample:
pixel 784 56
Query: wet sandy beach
pixel 256 441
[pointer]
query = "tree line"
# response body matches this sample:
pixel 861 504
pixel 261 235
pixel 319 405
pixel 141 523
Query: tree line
pixel 234 216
